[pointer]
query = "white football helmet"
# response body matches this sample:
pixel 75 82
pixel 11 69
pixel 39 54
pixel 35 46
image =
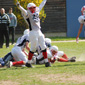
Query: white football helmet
pixel 26 31
pixel 31 5
pixel 83 10
pixel 54 48
pixel 48 40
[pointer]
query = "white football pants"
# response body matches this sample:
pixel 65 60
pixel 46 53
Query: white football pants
pixel 36 38
pixel 18 54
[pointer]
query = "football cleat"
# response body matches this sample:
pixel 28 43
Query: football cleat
pixel 47 64
pixel 72 59
pixel 9 64
pixel 77 39
pixel 29 65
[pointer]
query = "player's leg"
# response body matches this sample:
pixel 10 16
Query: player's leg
pixel 6 34
pixel 1 38
pixel 65 56
pixel 18 54
pixel 17 63
pixel 34 41
pixel 19 57
pixel 1 62
pixel 62 60
pixel 13 35
pixel 44 50
pixel 7 58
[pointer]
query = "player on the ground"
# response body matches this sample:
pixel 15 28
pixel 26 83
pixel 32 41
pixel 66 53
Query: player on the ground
pixel 36 36
pixel 81 20
pixel 53 55
pixel 18 52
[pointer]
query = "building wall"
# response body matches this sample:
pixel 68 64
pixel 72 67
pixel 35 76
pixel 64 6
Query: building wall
pixel 6 4
pixel 73 9
pixel 55 22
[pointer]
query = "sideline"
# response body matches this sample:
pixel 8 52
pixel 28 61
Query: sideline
pixel 68 41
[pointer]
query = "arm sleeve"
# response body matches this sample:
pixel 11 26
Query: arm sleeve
pixel 81 20
pixel 8 20
pixel 42 4
pixel 15 21
pixel 23 10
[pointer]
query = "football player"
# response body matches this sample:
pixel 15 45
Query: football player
pixel 81 20
pixel 36 36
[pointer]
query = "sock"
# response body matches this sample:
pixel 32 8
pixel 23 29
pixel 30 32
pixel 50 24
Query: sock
pixel 18 63
pixel 62 60
pixel 30 55
pixel 65 56
pixel 45 55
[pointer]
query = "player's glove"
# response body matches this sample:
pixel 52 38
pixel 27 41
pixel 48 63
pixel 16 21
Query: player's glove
pixel 18 4
pixel 77 39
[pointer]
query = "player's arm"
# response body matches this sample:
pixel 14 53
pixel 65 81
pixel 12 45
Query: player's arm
pixel 25 52
pixel 21 9
pixel 27 46
pixel 42 4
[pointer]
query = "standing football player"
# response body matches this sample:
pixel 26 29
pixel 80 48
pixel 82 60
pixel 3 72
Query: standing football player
pixel 81 20
pixel 36 36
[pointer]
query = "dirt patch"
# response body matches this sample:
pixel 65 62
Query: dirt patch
pixel 9 83
pixel 61 78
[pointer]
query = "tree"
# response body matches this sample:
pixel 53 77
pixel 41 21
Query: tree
pixel 18 13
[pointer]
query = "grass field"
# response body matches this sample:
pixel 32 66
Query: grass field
pixel 61 73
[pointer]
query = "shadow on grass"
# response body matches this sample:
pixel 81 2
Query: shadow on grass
pixel 43 66
pixel 72 64
pixel 13 68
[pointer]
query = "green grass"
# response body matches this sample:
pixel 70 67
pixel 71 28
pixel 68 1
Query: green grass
pixel 65 38
pixel 61 73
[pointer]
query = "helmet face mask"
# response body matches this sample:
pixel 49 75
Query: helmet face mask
pixel 53 52
pixel 31 7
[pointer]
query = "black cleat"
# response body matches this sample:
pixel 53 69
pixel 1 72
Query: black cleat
pixel 47 64
pixel 73 59
pixel 28 65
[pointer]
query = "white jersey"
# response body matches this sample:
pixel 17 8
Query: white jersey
pixel 21 42
pixel 33 18
pixel 81 19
